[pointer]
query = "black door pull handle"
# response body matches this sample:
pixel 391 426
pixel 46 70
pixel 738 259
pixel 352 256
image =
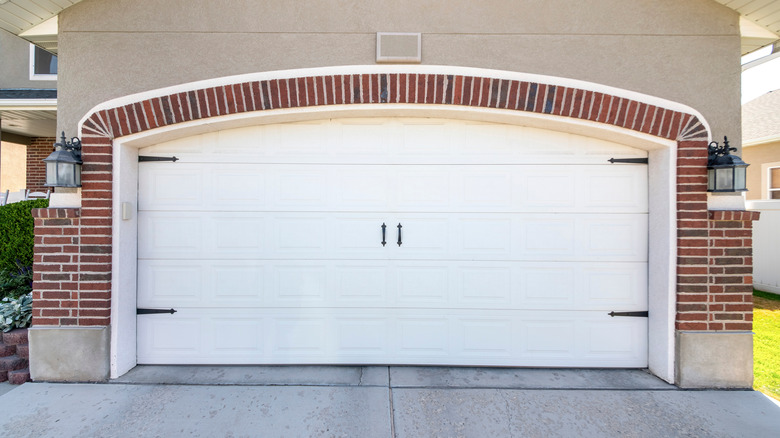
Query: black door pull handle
pixel 384 229
pixel 399 234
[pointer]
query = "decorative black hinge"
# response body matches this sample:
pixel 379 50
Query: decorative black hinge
pixel 628 160
pixel 148 158
pixel 641 314
pixel 153 311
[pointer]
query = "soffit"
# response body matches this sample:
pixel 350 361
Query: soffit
pixel 760 24
pixel 32 20
pixel 28 112
pixel 29 123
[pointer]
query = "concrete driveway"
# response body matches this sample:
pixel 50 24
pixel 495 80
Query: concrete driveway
pixel 382 402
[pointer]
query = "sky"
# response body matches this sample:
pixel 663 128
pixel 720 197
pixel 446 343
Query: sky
pixel 761 79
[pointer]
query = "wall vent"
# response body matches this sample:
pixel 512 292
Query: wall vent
pixel 398 47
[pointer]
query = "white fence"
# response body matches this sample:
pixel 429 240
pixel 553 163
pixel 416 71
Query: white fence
pixel 8 197
pixel 766 246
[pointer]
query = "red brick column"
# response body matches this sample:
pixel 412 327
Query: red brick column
pixel 730 304
pixel 56 266
pixel 692 235
pixel 39 148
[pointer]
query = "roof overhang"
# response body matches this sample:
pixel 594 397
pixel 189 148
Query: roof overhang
pixel 32 20
pixel 29 117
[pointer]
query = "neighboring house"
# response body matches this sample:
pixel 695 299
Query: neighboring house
pixel 28 113
pixel 761 149
pixel 761 146
pixel 441 196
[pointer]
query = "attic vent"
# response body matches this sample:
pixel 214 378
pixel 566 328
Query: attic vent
pixel 398 47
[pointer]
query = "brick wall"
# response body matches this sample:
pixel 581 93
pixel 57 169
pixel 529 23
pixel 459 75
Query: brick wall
pixel 55 266
pixel 39 148
pixel 715 281
pixel 70 282
pixel 730 304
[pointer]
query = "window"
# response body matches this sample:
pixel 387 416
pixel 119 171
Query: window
pixel 774 182
pixel 43 65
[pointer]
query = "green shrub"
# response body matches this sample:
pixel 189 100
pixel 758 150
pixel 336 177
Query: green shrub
pixel 16 284
pixel 16 234
pixel 15 313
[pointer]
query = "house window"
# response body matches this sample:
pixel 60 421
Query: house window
pixel 774 183
pixel 43 65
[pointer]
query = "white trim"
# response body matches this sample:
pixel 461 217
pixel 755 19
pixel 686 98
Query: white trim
pixel 763 59
pixel 662 238
pixel 418 69
pixel 36 77
pixel 761 140
pixel 28 104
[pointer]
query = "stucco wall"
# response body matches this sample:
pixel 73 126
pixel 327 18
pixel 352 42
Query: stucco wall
pixel 760 157
pixel 15 64
pixel 13 166
pixel 686 51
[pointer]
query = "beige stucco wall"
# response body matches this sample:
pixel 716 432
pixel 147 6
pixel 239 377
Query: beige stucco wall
pixel 760 157
pixel 686 51
pixel 15 64
pixel 13 166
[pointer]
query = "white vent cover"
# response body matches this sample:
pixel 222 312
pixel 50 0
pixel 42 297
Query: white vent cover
pixel 398 47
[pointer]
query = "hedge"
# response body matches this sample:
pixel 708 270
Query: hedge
pixel 17 236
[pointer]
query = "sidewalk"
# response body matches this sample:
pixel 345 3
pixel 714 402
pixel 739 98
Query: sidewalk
pixel 362 402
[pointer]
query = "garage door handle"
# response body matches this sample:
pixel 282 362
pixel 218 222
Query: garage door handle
pixel 384 230
pixel 399 234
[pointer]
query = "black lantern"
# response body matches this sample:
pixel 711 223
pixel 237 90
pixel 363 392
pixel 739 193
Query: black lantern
pixel 63 166
pixel 725 172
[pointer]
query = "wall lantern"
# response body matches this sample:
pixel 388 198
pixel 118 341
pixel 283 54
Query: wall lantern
pixel 725 172
pixel 63 166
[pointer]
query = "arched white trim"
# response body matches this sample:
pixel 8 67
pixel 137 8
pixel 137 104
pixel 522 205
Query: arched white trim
pixel 662 203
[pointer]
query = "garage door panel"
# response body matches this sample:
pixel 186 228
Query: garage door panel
pixel 622 188
pixel 485 285
pixel 521 237
pixel 360 283
pixel 169 236
pixel 300 285
pixel 486 236
pixel 620 237
pixel 400 141
pixel 349 336
pixel 399 284
pixel 373 188
pixel 164 282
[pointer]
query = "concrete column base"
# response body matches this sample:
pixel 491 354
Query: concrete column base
pixel 714 360
pixel 69 354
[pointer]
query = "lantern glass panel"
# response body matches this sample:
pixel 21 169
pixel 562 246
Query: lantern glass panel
pixel 724 178
pixel 51 173
pixel 710 179
pixel 740 178
pixel 77 175
pixel 66 175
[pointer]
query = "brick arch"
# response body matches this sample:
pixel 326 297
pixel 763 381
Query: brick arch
pixel 89 246
pixel 393 88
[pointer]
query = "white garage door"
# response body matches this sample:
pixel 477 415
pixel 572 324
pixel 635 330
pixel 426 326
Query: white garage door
pixel 514 245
